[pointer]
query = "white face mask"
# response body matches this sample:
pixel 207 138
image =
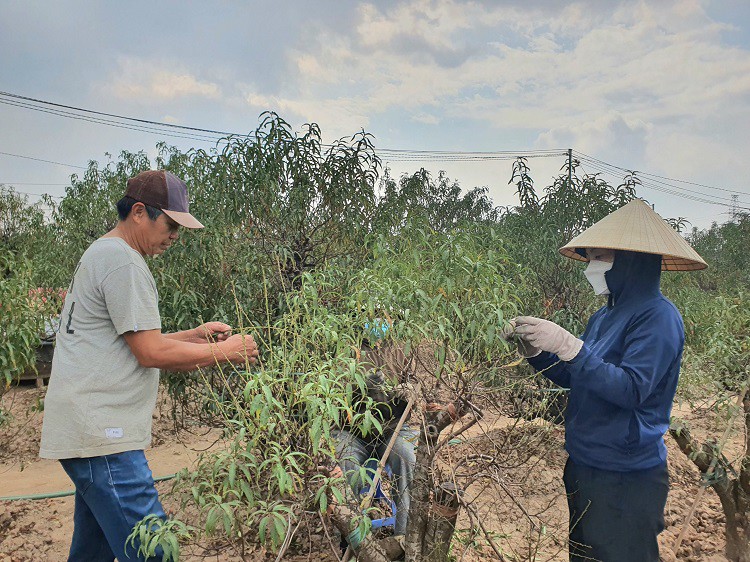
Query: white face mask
pixel 595 275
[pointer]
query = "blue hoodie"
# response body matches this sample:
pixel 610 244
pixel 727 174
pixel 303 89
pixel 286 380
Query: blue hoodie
pixel 623 381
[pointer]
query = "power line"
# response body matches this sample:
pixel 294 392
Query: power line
pixel 38 194
pixel 648 180
pixel 42 160
pixel 146 121
pixel 426 156
pixel 470 152
pixel 663 187
pixel 149 126
pixel 607 168
pixel 712 216
pixel 101 121
pixel 648 185
pixel 663 177
pixel 29 183
pixel 592 163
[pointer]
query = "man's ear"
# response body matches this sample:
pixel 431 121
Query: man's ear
pixel 138 212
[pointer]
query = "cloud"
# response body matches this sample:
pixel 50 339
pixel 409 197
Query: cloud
pixel 623 82
pixel 421 31
pixel 661 86
pixel 426 118
pixel 138 79
pixel 478 62
pixel 338 117
pixel 619 80
pixel 608 136
pixel 712 148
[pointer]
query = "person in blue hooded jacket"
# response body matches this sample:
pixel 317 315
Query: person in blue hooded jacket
pixel 622 374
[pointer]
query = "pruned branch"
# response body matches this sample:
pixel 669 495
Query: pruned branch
pixel 690 447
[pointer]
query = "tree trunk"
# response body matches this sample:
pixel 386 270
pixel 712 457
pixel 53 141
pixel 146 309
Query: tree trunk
pixel 733 493
pixel 738 514
pixel 420 503
pixel 737 529
pixel 441 524
pixel 424 522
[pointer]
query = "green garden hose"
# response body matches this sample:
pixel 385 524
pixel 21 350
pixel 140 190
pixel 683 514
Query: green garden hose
pixel 51 495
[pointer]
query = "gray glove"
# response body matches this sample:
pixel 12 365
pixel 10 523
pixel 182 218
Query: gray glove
pixel 548 336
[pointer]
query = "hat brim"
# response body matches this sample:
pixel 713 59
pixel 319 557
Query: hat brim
pixel 668 262
pixel 636 227
pixel 183 219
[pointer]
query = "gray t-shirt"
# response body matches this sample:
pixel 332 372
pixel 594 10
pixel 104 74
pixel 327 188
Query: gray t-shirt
pixel 100 399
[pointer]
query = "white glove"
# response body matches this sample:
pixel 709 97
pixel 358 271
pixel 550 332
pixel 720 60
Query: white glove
pixel 548 336
pixel 525 349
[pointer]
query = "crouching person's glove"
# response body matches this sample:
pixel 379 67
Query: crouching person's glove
pixel 548 336
pixel 405 391
pixel 525 349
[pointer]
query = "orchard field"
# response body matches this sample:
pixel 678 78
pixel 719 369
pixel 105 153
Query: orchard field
pixel 307 247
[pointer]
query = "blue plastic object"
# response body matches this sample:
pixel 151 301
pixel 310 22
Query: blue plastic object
pixel 371 466
pixel 355 538
pixel 377 329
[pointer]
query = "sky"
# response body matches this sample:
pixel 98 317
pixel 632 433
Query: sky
pixel 661 86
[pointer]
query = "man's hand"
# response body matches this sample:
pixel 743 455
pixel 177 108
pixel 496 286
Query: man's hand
pixel 239 348
pixel 213 331
pixel 548 336
pixel 154 349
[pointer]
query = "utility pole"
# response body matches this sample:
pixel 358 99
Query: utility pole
pixel 570 168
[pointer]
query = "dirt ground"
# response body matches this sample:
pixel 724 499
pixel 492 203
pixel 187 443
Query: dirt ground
pixel 523 509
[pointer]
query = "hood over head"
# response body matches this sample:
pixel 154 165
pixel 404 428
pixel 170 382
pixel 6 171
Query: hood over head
pixel 634 275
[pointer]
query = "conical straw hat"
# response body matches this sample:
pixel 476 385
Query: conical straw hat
pixel 638 228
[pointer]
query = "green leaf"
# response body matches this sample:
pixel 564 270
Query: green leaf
pixel 212 519
pixel 323 502
pixel 263 529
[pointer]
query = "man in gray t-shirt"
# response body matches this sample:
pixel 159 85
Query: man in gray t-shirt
pixel 105 370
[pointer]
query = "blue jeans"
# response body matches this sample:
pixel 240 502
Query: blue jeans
pixel 352 452
pixel 113 493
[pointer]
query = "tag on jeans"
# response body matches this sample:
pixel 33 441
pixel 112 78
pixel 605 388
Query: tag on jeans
pixel 114 432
